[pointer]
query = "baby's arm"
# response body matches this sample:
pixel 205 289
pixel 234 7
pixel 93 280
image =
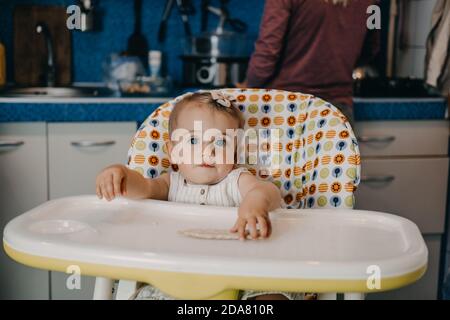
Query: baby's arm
pixel 119 180
pixel 258 198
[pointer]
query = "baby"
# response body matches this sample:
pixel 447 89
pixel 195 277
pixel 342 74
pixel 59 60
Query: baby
pixel 206 175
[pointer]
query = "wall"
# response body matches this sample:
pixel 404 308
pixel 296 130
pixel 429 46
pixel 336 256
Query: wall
pixel 91 48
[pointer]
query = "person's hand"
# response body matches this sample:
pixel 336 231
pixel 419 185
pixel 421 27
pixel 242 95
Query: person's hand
pixel 111 182
pixel 253 216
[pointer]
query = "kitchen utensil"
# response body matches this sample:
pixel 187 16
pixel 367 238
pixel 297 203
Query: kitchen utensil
pixel 87 15
pixel 214 60
pixel 154 63
pixel 185 8
pixel 213 72
pixel 163 23
pixel 224 17
pixel 204 15
pixel 137 44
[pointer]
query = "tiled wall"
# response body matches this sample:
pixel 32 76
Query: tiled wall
pixel 411 61
pixel 91 48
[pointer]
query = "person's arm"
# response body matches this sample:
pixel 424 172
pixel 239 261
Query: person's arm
pixel 258 198
pixel 118 180
pixel 269 45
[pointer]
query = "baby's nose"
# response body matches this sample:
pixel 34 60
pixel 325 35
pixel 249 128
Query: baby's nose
pixel 209 156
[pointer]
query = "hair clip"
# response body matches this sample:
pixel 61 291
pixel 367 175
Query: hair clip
pixel 222 98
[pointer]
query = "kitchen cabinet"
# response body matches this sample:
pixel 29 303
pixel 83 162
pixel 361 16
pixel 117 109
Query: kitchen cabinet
pixel 77 152
pixel 23 175
pixel 402 138
pixel 404 171
pixel 412 188
pixel 43 161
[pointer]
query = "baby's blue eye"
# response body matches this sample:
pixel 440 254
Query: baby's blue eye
pixel 220 142
pixel 193 140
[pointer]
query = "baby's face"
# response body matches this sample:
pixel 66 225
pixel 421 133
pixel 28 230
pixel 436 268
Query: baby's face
pixel 206 154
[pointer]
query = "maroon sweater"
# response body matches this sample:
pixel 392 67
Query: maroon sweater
pixel 311 46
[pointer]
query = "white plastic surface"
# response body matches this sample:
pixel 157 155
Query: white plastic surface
pixel 311 244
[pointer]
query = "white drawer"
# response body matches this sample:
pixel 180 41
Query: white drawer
pixel 78 151
pixel 23 175
pixel 413 188
pixel 402 138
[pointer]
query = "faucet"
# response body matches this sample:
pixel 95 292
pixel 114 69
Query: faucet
pixel 50 70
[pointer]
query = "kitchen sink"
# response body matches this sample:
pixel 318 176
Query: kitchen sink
pixel 56 92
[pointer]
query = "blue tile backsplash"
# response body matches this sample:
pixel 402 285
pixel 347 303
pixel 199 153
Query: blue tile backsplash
pixel 90 49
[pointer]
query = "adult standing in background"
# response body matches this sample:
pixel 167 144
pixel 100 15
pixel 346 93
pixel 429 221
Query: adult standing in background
pixel 313 46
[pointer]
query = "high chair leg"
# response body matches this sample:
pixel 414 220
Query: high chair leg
pixel 354 296
pixel 126 289
pixel 103 288
pixel 327 296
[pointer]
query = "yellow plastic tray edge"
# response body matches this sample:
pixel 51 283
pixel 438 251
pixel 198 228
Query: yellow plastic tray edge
pixel 203 286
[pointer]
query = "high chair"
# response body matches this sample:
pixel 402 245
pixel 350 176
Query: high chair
pixel 318 167
pixel 319 161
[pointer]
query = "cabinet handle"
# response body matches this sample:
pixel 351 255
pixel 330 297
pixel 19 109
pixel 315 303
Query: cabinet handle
pixel 368 139
pixel 8 144
pixel 378 179
pixel 92 143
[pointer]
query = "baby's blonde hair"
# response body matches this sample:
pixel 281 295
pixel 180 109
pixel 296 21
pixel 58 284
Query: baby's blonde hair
pixel 204 99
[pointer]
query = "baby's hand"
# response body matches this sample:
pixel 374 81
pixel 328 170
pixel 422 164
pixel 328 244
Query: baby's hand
pixel 111 182
pixel 253 216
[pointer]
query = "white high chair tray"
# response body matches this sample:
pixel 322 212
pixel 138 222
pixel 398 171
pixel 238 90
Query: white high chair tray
pixel 138 240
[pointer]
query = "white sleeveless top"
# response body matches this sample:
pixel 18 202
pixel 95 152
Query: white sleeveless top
pixel 224 193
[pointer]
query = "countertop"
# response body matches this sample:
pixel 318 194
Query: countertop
pixel 137 109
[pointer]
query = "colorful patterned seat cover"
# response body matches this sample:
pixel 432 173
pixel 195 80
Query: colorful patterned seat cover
pixel 316 152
